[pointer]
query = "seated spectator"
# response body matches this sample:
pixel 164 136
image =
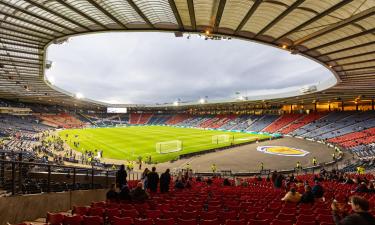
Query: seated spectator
pixel 361 188
pixel 308 196
pixel 226 182
pixel 318 190
pixel 179 184
pixel 138 193
pixel 292 196
pixel 112 194
pixel 361 215
pixel 124 193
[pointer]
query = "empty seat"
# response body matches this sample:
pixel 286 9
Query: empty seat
pixel 92 220
pixel 122 221
pixel 55 218
pixel 72 220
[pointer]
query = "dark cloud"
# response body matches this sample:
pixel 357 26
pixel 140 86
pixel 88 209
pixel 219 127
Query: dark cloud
pixel 158 68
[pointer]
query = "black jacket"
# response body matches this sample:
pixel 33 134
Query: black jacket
pixel 363 218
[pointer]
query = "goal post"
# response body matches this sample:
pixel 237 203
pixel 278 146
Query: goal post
pixel 168 146
pixel 220 139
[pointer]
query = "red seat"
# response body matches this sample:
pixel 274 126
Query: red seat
pixel 112 213
pixel 189 215
pixel 235 222
pixel 55 218
pixel 265 216
pixel 281 222
pixel 130 213
pixel 96 212
pixel 208 215
pixel 209 222
pixel 307 218
pixel 247 215
pixel 169 221
pixel 143 221
pixel 186 222
pixel 80 210
pixel 231 215
pixel 92 220
pixel 283 216
pixel 98 204
pixel 122 221
pixel 325 219
pixel 153 214
pixel 258 222
pixel 170 214
pixel 305 223
pixel 72 220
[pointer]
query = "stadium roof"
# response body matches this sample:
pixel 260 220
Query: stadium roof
pixel 340 34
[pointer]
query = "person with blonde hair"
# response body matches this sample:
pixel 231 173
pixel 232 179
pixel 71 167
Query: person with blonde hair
pixel 292 196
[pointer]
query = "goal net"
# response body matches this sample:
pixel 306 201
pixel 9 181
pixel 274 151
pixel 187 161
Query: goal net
pixel 168 146
pixel 221 138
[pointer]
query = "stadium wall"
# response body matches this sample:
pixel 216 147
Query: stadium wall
pixel 17 209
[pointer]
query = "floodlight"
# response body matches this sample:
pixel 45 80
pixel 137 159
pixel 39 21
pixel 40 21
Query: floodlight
pixel 175 103
pixel 51 80
pixel 79 95
pixel 202 101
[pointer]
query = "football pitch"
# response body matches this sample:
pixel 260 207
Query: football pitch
pixel 128 143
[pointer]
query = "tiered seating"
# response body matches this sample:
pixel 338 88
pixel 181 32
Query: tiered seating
pixel 346 125
pixel 256 204
pixel 330 118
pixel 63 120
pixel 144 118
pixel 282 122
pixel 176 119
pixel 217 121
pixel 134 118
pixel 354 139
pixel 301 122
pixel 262 122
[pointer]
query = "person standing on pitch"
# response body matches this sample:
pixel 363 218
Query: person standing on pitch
pixel 261 166
pixel 213 168
pixel 314 161
pixel 153 180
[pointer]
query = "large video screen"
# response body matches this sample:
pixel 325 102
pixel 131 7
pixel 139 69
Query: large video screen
pixel 117 110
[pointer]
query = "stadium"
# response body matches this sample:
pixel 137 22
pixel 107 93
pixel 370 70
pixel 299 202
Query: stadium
pixel 296 156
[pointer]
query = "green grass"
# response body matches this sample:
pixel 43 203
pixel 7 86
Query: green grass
pixel 127 143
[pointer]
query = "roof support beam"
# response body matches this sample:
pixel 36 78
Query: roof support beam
pixel 280 17
pixel 28 28
pixel 24 33
pixel 31 22
pixel 192 14
pixel 19 36
pixel 219 14
pixel 7 36
pixel 360 68
pixel 20 51
pixel 17 61
pixel 314 19
pixel 57 14
pixel 351 56
pixel 81 13
pixel 358 62
pixel 140 13
pixel 16 64
pixel 341 40
pixel 37 16
pixel 349 48
pixel 336 26
pixel 109 15
pixel 20 57
pixel 13 43
pixel 248 15
pixel 176 14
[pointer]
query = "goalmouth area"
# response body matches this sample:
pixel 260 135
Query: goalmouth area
pixel 128 143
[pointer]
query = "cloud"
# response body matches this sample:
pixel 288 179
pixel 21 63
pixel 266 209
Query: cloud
pixel 157 68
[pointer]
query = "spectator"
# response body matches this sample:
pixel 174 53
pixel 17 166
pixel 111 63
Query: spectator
pixel 179 184
pixel 153 180
pixel 144 178
pixel 124 193
pixel 138 194
pixel 307 196
pixel 165 180
pixel 361 215
pixel 112 194
pixel 317 190
pixel 361 188
pixel 292 196
pixel 226 182
pixel 121 177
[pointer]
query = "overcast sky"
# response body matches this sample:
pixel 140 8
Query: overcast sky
pixel 159 68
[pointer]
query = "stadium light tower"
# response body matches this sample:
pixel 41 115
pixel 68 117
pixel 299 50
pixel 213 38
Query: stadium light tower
pixel 79 96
